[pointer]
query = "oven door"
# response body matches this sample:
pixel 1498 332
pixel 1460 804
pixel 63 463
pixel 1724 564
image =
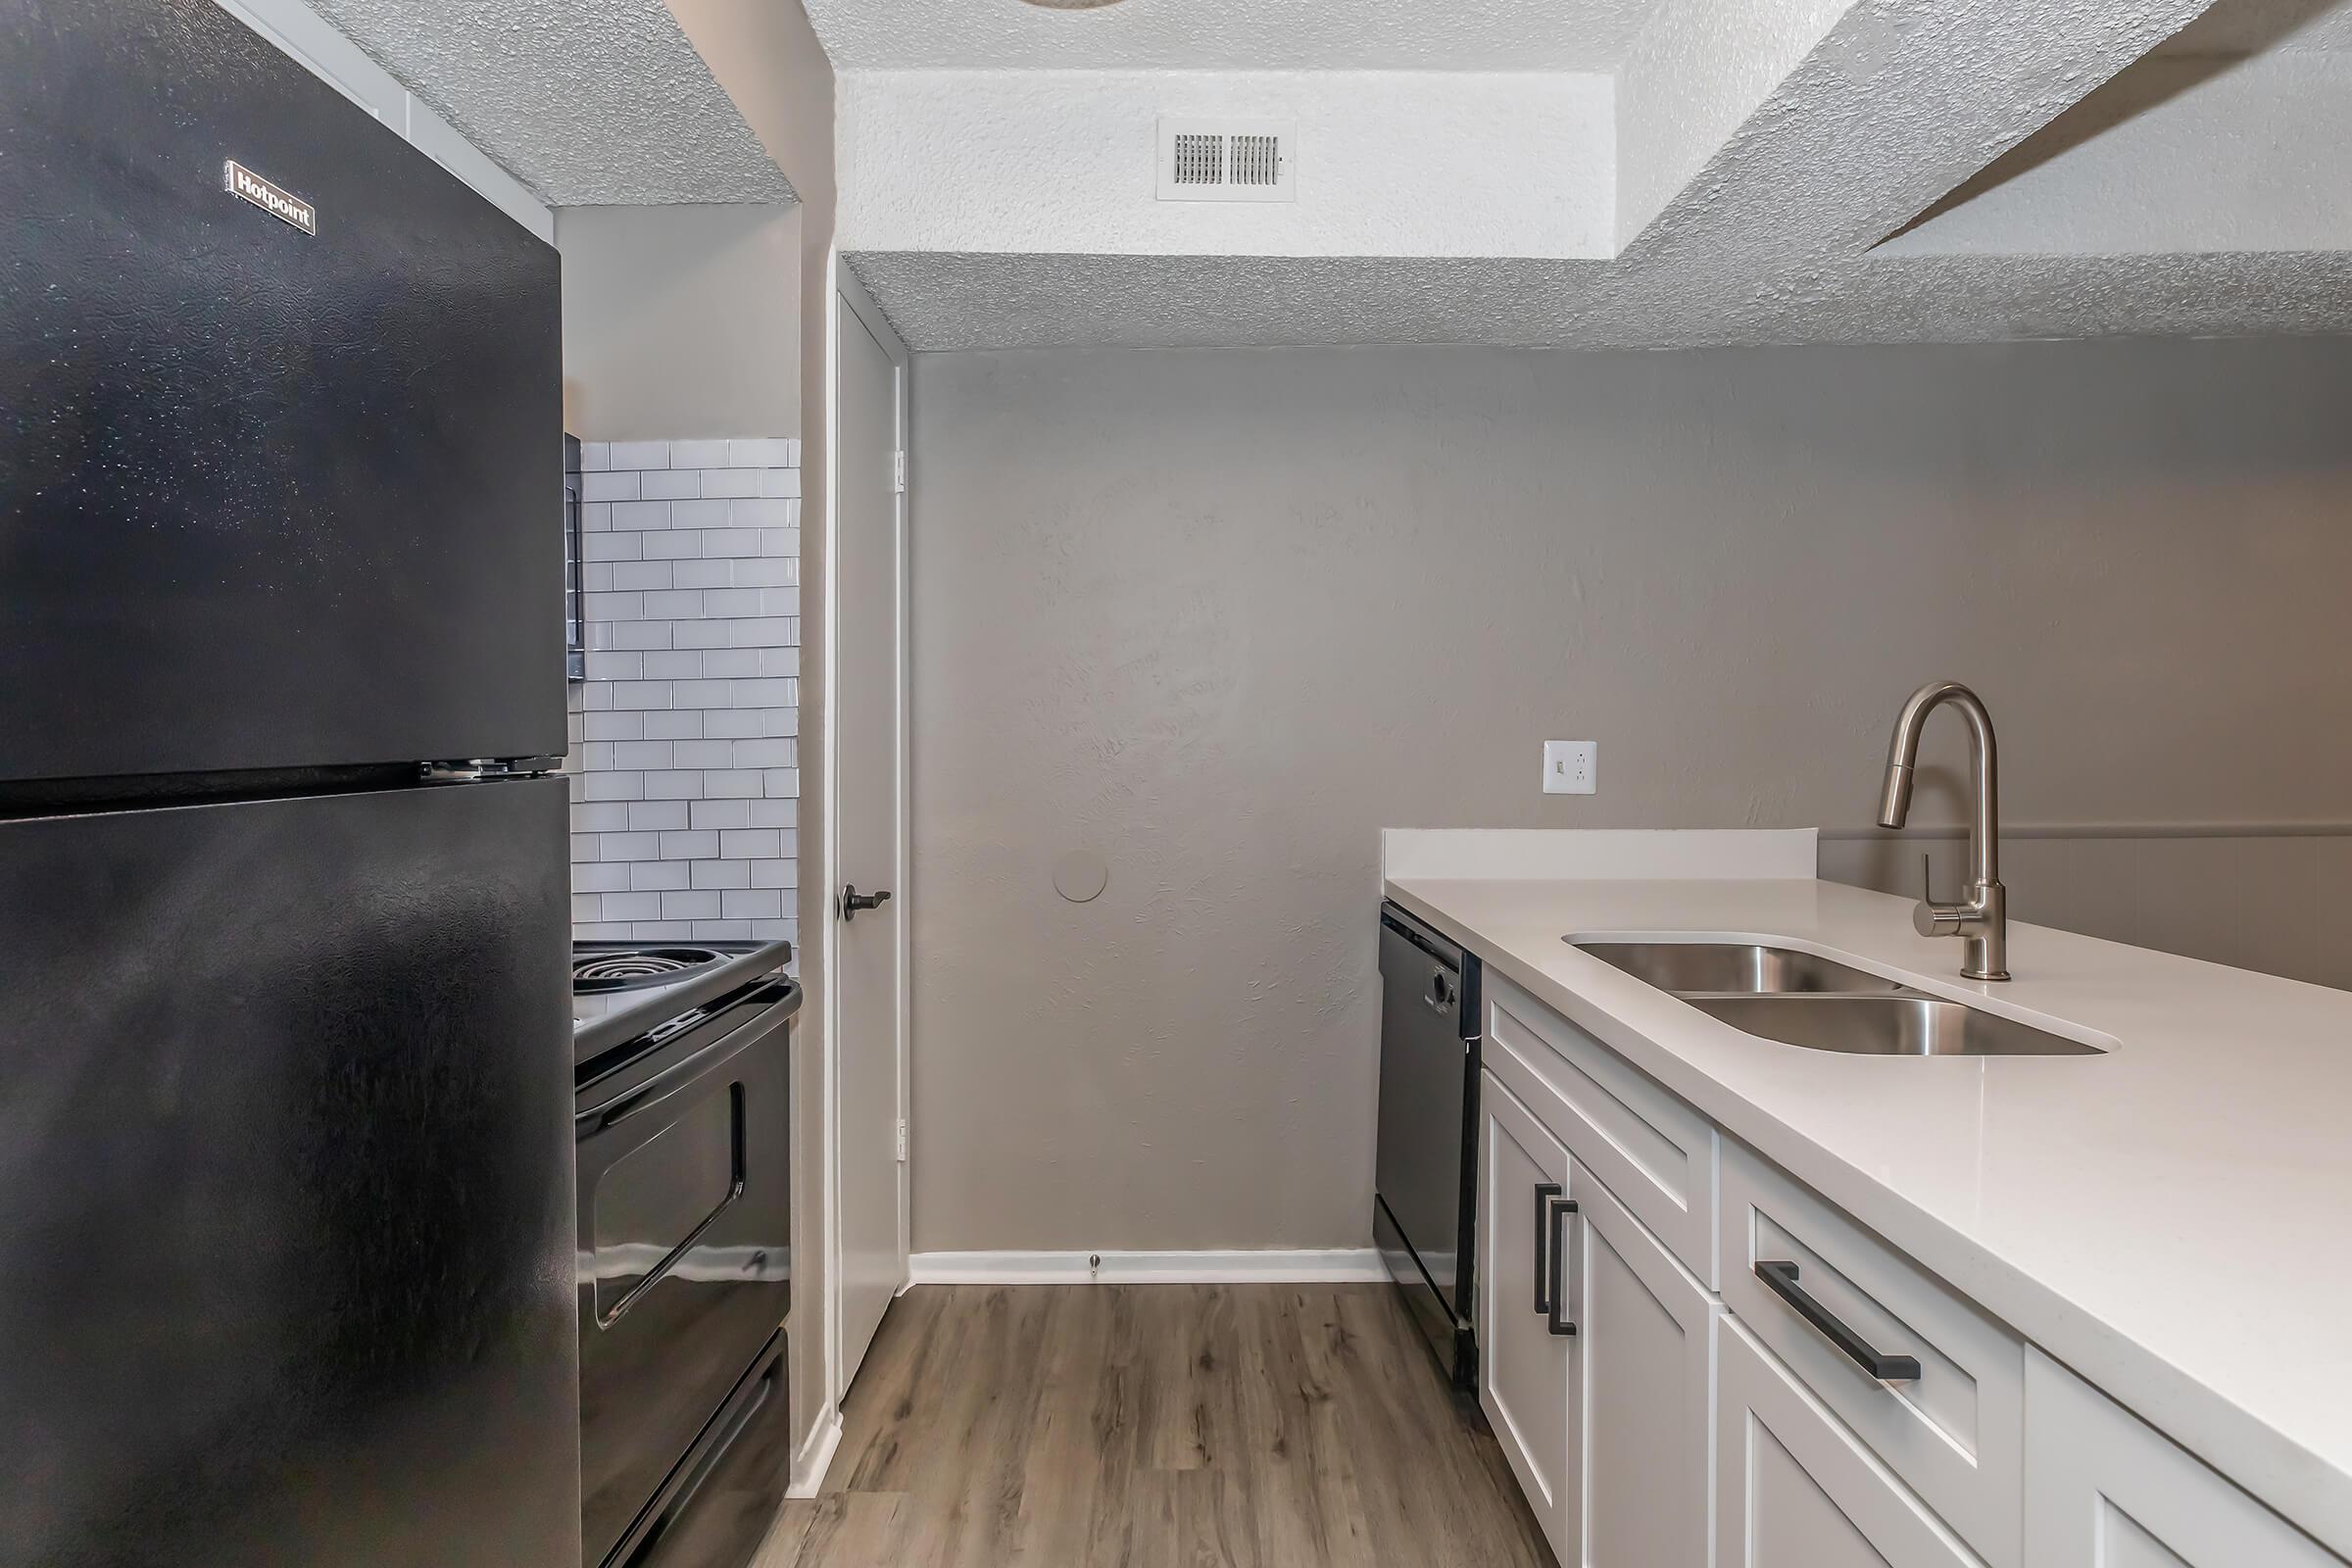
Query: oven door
pixel 684 1249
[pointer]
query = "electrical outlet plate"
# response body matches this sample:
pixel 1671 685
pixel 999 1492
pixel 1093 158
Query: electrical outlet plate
pixel 1571 767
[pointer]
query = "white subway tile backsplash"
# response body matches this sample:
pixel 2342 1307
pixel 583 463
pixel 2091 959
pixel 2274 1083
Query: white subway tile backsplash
pixel 706 754
pixel 720 814
pixel 752 844
pixel 634 575
pixel 699 515
pixel 708 574
pixel 749 903
pixel 600 816
pixel 656 814
pixel 631 905
pixel 614 787
pixel 676 603
pixel 657 876
pixel 691 845
pixel 696 905
pixel 764 753
pixel 684 724
pixel 671 665
pixel 681 485
pixel 684 818
pixel 640 693
pixel 629 846
pixel 770 513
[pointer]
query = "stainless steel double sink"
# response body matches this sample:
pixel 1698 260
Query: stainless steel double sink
pixel 1802 998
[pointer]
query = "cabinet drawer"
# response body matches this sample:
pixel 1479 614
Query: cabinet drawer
pixel 1955 1431
pixel 1655 1153
pixel 1796 1490
pixel 2106 1491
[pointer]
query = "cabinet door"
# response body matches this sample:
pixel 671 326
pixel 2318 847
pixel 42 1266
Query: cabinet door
pixel 1640 1436
pixel 2105 1491
pixel 1522 1383
pixel 1796 1490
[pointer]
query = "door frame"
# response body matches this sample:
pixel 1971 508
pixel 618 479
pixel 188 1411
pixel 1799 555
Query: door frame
pixel 849 295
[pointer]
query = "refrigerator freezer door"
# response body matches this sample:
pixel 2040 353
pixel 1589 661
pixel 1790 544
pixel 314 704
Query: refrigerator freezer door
pixel 268 498
pixel 286 1185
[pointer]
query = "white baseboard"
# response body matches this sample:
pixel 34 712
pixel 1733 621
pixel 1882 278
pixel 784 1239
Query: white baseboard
pixel 815 1458
pixel 1337 1265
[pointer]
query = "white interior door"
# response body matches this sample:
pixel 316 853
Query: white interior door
pixel 869 817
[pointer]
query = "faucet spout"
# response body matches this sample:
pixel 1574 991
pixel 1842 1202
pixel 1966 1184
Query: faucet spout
pixel 1983 919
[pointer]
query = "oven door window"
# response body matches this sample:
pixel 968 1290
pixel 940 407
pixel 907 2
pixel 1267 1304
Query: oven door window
pixel 655 1203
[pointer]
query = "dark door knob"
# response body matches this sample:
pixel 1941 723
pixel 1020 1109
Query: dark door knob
pixel 852 901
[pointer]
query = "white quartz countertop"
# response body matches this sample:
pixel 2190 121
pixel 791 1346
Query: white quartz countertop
pixel 2172 1219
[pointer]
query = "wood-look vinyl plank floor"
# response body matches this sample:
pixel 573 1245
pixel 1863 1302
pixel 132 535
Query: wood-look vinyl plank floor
pixel 1159 1426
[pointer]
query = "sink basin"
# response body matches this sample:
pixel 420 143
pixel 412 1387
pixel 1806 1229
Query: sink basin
pixel 1745 967
pixel 1903 1024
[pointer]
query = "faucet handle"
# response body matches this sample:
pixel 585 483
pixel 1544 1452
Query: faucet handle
pixel 1933 919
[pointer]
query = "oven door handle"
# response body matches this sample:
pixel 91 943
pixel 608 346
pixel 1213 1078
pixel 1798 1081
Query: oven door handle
pixel 662 1085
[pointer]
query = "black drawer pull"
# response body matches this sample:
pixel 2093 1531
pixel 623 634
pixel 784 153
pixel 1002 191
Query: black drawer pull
pixel 1555 1316
pixel 1546 1192
pixel 1781 1280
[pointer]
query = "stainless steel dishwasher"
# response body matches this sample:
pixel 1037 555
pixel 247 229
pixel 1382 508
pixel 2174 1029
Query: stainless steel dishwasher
pixel 1425 1170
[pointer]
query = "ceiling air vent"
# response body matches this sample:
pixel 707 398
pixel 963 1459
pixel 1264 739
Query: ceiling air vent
pixel 1227 161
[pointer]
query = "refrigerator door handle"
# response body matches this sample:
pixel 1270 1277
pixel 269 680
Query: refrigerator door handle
pixel 484 769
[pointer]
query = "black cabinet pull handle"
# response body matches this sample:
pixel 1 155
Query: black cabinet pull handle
pixel 1546 1192
pixel 1556 1317
pixel 1781 1280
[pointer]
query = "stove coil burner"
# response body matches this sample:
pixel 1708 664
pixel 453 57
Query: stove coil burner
pixel 638 969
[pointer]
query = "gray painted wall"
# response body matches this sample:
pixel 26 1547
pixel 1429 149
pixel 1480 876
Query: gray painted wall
pixel 1222 616
pixel 680 317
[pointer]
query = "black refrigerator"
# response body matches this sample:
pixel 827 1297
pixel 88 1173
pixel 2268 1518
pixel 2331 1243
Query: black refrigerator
pixel 286 1264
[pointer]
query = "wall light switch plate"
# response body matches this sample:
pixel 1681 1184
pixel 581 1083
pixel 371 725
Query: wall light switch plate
pixel 1571 767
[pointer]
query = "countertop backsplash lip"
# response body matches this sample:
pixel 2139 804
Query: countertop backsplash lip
pixel 685 757
pixel 1552 854
pixel 2055 1192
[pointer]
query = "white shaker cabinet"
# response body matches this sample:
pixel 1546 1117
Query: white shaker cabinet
pixel 2103 1489
pixel 1642 1382
pixel 1599 1355
pixel 1522 1383
pixel 1794 1487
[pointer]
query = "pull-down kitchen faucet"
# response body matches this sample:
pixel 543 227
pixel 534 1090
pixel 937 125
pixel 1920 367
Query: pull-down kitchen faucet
pixel 1982 923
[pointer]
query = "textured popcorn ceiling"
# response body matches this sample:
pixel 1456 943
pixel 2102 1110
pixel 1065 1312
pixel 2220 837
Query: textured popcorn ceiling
pixel 1040 301
pixel 1232 34
pixel 587 104
pixel 1764 154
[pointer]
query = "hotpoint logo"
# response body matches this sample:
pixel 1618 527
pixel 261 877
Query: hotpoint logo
pixel 278 203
